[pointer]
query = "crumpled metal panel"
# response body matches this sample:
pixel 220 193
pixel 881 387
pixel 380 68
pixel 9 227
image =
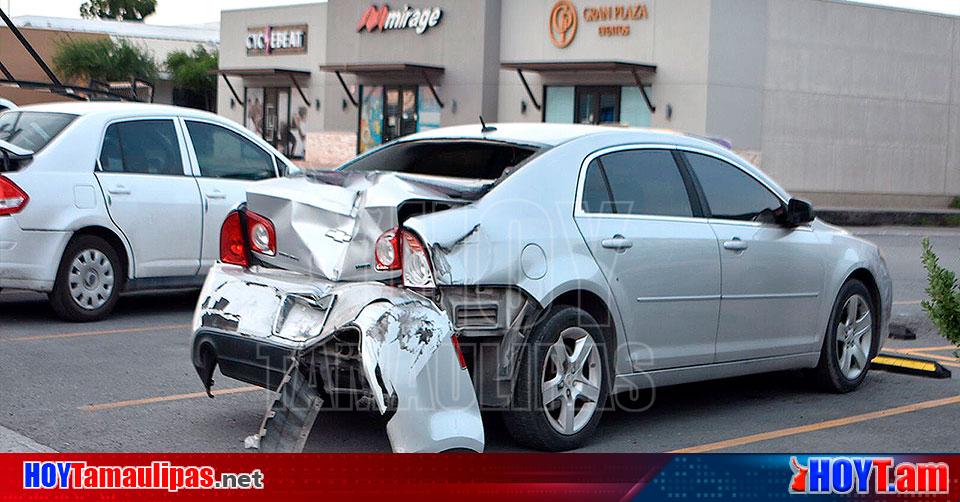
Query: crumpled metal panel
pixel 327 223
pixel 409 360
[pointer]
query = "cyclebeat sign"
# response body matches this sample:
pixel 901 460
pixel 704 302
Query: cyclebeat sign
pixel 264 40
pixel 611 20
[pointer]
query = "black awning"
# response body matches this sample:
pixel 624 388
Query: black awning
pixel 262 72
pixel 579 66
pixel 416 72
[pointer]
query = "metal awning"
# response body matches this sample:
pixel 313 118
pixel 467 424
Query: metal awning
pixel 637 70
pixel 424 73
pixel 293 75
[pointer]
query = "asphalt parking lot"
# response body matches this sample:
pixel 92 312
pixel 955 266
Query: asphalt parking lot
pixel 126 384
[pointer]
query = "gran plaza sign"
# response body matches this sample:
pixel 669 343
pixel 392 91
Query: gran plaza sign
pixel 612 20
pixel 266 40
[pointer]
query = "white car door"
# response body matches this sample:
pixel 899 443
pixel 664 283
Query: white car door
pixel 657 254
pixel 151 196
pixel 772 274
pixel 225 163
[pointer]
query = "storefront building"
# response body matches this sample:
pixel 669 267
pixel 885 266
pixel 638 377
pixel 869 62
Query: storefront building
pixel 845 104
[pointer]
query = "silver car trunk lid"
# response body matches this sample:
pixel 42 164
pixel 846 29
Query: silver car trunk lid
pixel 327 223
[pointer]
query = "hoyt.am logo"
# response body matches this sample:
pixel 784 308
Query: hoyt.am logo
pixel 877 475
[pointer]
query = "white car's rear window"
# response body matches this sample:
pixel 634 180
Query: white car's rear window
pixel 32 130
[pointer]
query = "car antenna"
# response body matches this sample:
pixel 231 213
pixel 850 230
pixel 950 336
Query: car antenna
pixel 485 127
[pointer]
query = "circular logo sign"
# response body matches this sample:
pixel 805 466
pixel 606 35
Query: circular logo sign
pixel 563 23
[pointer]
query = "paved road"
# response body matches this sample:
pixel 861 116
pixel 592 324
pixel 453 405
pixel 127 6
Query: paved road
pixel 126 384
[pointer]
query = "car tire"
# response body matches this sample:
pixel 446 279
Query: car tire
pixel 549 425
pixel 88 280
pixel 851 340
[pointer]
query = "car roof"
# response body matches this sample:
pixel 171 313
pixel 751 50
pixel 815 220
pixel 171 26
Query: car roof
pixel 115 108
pixel 548 134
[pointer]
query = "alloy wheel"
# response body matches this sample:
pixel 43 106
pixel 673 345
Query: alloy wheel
pixel 854 337
pixel 570 381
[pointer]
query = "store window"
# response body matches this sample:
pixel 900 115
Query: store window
pixel 596 105
pixel 389 112
pixel 267 112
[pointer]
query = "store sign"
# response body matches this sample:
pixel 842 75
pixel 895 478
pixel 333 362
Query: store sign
pixel 277 40
pixel 612 20
pixel 383 18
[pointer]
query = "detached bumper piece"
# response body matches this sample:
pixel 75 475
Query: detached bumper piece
pixel 287 424
pixel 387 347
pixel 910 366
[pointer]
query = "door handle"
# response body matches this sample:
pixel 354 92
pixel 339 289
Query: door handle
pixel 119 190
pixel 617 242
pixel 216 194
pixel 735 244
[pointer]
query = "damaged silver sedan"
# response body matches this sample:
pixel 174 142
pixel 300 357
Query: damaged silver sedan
pixel 532 268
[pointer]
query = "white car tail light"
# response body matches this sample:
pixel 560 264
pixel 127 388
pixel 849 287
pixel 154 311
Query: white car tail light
pixel 12 198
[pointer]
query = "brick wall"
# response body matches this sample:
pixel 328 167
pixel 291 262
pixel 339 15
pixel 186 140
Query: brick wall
pixel 329 149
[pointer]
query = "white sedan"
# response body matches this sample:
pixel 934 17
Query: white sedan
pixel 99 198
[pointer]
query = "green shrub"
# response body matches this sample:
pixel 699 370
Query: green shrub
pixel 943 305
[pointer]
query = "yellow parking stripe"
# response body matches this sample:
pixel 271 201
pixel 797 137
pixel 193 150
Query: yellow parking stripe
pixel 931 349
pixel 165 399
pixel 162 327
pixel 827 424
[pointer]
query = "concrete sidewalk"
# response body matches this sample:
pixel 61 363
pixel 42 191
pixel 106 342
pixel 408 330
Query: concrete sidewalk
pixel 868 217
pixel 12 442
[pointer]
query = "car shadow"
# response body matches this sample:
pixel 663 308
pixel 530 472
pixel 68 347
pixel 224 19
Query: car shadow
pixel 24 306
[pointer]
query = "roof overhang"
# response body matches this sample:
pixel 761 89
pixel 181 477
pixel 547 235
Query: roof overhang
pixel 386 71
pixel 262 72
pixel 374 69
pixel 580 66
pixel 575 70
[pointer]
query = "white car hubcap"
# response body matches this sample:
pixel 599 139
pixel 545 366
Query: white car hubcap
pixel 570 381
pixel 854 337
pixel 91 279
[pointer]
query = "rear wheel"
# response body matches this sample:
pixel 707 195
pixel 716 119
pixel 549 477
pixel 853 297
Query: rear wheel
pixel 561 385
pixel 850 341
pixel 86 287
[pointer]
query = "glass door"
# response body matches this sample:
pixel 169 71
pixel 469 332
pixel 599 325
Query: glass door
pixel 597 105
pixel 399 112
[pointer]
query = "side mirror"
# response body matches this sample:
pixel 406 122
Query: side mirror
pixel 799 212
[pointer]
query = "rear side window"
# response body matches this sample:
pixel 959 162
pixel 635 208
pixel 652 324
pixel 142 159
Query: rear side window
pixel 731 193
pixel 222 153
pixel 486 160
pixel 32 130
pixel 641 182
pixel 141 147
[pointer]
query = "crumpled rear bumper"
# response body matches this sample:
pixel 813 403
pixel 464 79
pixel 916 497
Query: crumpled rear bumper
pixel 254 324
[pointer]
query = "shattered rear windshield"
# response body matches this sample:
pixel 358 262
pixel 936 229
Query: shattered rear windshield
pixel 451 158
pixel 32 130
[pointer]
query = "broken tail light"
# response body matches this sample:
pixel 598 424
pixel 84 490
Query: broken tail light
pixel 387 250
pixel 12 198
pixel 415 261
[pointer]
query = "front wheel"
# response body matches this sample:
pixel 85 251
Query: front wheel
pixel 561 387
pixel 850 341
pixel 86 288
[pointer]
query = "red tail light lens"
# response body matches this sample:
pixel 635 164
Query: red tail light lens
pixel 263 237
pixel 417 271
pixel 456 347
pixel 233 245
pixel 12 198
pixel 387 250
